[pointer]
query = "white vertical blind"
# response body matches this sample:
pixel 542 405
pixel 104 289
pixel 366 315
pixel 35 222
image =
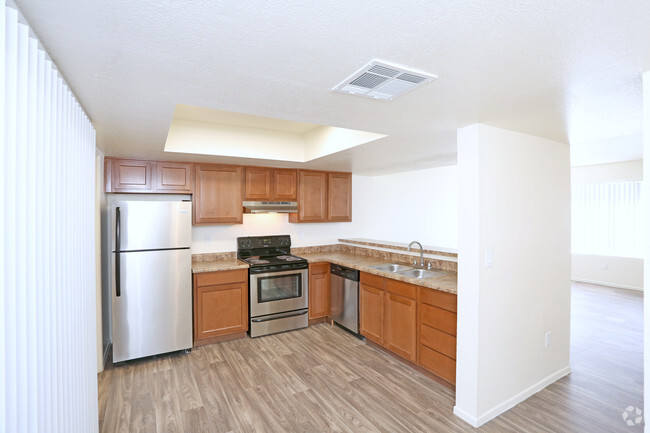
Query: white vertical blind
pixel 48 379
pixel 606 219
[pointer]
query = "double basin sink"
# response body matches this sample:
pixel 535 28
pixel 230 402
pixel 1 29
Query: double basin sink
pixel 407 271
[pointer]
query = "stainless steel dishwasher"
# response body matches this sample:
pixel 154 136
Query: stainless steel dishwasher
pixel 345 297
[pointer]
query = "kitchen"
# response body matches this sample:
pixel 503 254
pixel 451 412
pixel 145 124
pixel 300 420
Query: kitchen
pixel 466 220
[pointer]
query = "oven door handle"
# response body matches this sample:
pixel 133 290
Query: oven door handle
pixel 280 316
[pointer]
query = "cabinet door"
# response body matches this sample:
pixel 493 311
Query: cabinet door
pixel 339 197
pixel 371 313
pixel 220 310
pixel 312 197
pixel 173 177
pixel 319 290
pixel 285 185
pixel 401 326
pixel 258 183
pixel 218 194
pixel 130 176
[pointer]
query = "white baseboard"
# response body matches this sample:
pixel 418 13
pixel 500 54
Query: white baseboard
pixel 602 283
pixel 469 419
pixel 477 421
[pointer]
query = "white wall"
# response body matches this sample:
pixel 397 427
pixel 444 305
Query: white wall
pixel 514 202
pixel 599 173
pixel 623 272
pixel 417 205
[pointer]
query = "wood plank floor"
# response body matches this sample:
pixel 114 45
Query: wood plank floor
pixel 321 379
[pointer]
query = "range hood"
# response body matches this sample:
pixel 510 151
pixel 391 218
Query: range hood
pixel 271 206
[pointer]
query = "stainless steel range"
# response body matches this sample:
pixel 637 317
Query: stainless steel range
pixel 277 284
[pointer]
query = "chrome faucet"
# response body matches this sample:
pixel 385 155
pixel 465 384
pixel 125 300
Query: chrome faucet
pixel 421 252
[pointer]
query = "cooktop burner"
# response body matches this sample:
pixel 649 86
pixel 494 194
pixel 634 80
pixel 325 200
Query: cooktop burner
pixel 257 261
pixel 267 251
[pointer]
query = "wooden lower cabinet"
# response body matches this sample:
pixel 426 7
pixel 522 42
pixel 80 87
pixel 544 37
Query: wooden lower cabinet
pixel 401 326
pixel 414 322
pixel 437 324
pixel 220 305
pixel 388 311
pixel 319 290
pixel 371 306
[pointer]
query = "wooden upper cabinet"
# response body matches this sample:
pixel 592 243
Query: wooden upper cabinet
pixel 323 197
pixel 339 197
pixel 218 193
pixel 285 185
pixel 129 175
pixel 173 177
pixel 271 184
pixel 258 183
pixel 312 197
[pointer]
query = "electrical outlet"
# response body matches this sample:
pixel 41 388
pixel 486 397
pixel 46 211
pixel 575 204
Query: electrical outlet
pixel 489 258
pixel 604 266
pixel 547 342
pixel 207 239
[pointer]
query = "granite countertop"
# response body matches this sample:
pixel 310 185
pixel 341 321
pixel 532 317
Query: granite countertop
pixel 446 282
pixel 218 265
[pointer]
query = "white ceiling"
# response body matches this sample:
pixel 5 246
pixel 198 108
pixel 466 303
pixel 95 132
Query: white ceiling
pixel 565 70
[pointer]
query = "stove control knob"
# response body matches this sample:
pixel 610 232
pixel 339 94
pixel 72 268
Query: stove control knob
pixel 284 241
pixel 245 243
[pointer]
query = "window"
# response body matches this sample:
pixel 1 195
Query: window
pixel 606 219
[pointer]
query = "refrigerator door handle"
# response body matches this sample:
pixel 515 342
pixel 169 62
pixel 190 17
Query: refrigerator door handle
pixel 118 291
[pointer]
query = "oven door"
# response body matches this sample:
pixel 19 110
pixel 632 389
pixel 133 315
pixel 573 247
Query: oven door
pixel 278 291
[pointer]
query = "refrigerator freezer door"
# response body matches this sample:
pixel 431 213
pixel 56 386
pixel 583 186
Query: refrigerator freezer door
pixel 152 225
pixel 153 313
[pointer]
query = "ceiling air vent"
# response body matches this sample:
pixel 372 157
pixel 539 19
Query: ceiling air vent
pixel 380 80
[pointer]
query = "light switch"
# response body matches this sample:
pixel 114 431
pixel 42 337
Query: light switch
pixel 489 258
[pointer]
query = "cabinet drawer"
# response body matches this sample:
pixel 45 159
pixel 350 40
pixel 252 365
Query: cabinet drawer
pixel 372 280
pixel 446 301
pixel 438 364
pixel 401 288
pixel 438 318
pixel 221 277
pixel 438 340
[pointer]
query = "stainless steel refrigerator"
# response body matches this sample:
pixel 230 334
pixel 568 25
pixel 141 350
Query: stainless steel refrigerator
pixel 151 265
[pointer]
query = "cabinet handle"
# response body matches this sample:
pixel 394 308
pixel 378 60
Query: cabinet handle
pixel 279 316
pixel 118 291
